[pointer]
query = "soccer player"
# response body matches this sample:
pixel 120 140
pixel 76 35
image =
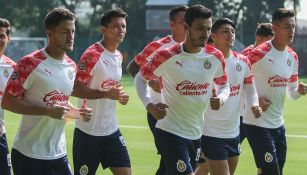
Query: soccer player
pixel 99 72
pixel 275 69
pixel 264 32
pixel 7 68
pixel 176 20
pixel 39 89
pixel 221 134
pixel 187 71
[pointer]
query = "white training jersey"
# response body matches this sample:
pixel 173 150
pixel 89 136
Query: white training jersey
pixel 42 81
pixel 146 55
pixel 273 71
pixel 6 69
pixel 225 122
pixel 100 69
pixel 186 79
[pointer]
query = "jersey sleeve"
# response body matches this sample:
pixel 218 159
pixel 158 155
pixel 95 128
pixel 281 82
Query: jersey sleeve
pixel 154 68
pixel 86 66
pixel 248 77
pixel 147 52
pixel 220 77
pixel 21 79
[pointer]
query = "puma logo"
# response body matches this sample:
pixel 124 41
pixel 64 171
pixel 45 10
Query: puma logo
pixel 180 64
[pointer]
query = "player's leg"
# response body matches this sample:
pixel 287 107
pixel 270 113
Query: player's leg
pixel 152 125
pixel 5 158
pixel 234 151
pixel 175 152
pixel 281 146
pixel 87 152
pixel 242 131
pixel 202 165
pixel 264 150
pixel 116 155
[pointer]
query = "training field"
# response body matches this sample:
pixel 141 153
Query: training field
pixel 133 125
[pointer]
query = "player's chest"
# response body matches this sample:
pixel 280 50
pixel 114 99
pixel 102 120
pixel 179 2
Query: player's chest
pixel 108 68
pixel 235 70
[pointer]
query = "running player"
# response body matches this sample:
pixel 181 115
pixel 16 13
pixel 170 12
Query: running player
pixel 187 71
pixel 264 32
pixel 176 20
pixel 99 72
pixel 275 68
pixel 221 141
pixel 7 68
pixel 39 89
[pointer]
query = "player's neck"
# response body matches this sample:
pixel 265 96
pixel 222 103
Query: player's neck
pixel 189 48
pixel 109 45
pixel 55 53
pixel 178 37
pixel 279 45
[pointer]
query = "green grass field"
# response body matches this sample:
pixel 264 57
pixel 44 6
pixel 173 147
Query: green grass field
pixel 143 153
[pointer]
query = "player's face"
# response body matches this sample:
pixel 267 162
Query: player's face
pixel 178 24
pixel 116 30
pixel 4 39
pixel 285 29
pixel 199 31
pixel 62 36
pixel 224 36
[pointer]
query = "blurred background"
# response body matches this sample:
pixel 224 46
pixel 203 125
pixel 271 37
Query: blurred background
pixel 147 21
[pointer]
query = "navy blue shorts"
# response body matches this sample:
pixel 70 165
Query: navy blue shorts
pixel 179 154
pixel 151 122
pixel 220 149
pixel 89 151
pixel 269 146
pixel 5 158
pixel 25 165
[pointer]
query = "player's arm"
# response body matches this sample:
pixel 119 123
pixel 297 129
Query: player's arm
pixel 20 106
pixel 251 98
pixel 132 68
pixel 80 113
pixel 81 90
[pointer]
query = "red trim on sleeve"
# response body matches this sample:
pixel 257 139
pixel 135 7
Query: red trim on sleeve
pixel 87 62
pixel 293 78
pixel 21 72
pixel 8 61
pixel 259 52
pixel 247 50
pixel 141 58
pixel 159 58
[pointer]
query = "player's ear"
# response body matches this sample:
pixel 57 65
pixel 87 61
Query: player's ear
pixel 171 24
pixel 102 29
pixel 185 25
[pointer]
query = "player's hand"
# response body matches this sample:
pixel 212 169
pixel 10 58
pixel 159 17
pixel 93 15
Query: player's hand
pixel 155 85
pixel 215 102
pixel 115 92
pixel 264 103
pixel 257 111
pixel 57 112
pixel 123 98
pixel 158 110
pixel 302 88
pixel 85 113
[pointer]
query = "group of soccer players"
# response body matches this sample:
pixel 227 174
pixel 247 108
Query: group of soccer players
pixel 176 78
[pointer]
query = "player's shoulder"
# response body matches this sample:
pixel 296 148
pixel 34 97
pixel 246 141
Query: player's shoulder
pixel 247 50
pixel 292 53
pixel 93 52
pixel 70 61
pixel 154 45
pixel 262 49
pixel 241 57
pixel 8 61
pixel 209 49
pixel 35 57
pixel 169 52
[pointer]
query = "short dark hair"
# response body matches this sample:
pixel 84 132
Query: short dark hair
pixel 6 24
pixel 55 16
pixel 281 13
pixel 264 30
pixel 174 11
pixel 107 16
pixel 197 11
pixel 218 23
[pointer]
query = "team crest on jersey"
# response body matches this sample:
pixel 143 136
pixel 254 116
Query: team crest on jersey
pixel 82 66
pixel 181 166
pixel 15 75
pixel 238 67
pixel 289 62
pixel 122 140
pixel 70 74
pixel 268 157
pixel 207 64
pixel 5 73
pixel 83 170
